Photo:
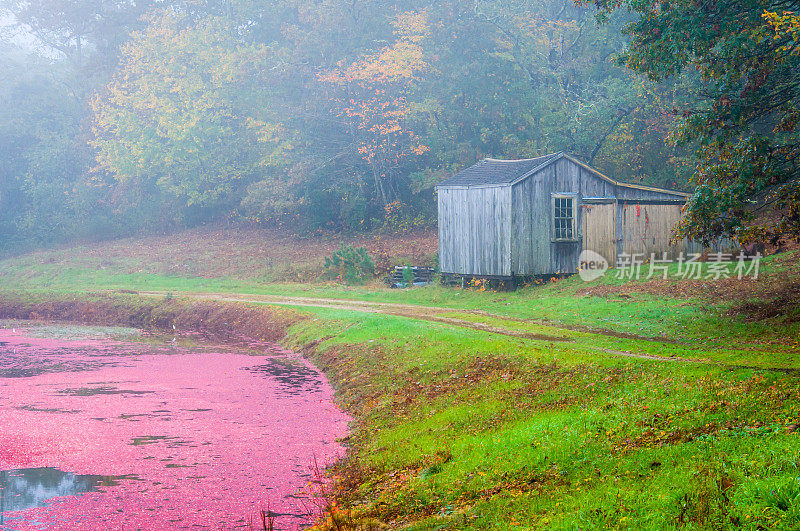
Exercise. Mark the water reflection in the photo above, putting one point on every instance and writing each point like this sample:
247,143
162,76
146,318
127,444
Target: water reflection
28,488
293,375
25,361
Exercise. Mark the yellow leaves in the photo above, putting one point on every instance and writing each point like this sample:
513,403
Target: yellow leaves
401,62
271,133
787,27
173,115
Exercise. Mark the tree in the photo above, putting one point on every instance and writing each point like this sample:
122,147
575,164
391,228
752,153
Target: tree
375,106
88,33
315,114
180,124
521,78
744,121
43,154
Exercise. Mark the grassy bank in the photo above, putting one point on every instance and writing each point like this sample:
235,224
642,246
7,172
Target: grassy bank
462,429
639,405
458,428
763,314
215,252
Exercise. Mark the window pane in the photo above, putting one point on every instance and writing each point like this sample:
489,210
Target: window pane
563,220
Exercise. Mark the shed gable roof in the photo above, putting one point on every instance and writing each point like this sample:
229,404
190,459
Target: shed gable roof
496,172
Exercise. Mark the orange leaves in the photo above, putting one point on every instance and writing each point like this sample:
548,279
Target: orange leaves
420,149
376,105
786,27
412,26
403,61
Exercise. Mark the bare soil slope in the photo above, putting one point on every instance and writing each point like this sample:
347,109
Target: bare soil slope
269,255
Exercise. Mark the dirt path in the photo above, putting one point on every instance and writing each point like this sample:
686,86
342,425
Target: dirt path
437,315
426,313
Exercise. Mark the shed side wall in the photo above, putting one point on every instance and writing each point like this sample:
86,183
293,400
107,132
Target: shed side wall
475,231
567,179
532,225
647,229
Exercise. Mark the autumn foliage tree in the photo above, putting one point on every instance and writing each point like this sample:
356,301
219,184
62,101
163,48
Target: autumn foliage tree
373,102
179,124
745,119
343,115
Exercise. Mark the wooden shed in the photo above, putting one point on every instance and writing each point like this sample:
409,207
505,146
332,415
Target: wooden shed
505,218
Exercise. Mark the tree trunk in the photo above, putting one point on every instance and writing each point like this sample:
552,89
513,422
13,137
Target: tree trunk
376,175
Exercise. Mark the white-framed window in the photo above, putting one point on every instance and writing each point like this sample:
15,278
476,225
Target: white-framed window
565,217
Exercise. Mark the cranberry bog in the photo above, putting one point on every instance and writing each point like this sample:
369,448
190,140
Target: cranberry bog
151,432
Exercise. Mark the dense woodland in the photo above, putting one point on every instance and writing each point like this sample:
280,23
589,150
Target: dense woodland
120,117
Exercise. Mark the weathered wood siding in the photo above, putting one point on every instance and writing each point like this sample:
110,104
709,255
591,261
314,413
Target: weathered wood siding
475,230
533,251
647,228
530,244
600,230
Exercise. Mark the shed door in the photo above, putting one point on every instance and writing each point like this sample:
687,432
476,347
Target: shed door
600,230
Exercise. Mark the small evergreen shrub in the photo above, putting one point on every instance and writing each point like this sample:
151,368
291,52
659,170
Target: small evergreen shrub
352,265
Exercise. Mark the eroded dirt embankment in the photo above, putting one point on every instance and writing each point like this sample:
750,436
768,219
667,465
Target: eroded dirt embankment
230,316
223,320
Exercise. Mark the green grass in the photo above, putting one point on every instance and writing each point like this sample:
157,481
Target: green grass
547,436
465,429
563,303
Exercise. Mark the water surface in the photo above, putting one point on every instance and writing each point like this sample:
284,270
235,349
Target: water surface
103,433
